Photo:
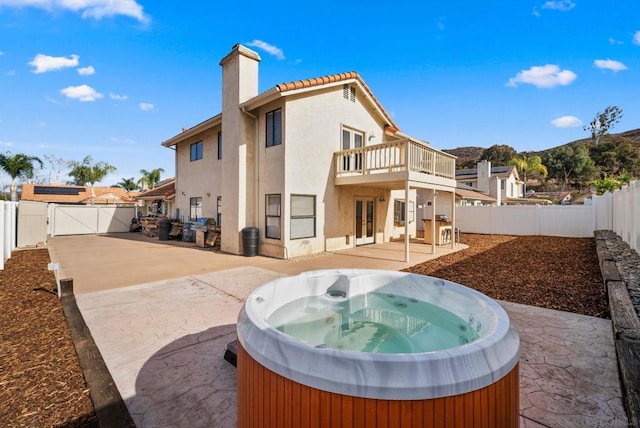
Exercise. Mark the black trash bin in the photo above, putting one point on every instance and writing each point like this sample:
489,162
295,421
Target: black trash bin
164,227
250,239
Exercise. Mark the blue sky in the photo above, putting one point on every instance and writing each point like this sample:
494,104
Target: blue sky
114,78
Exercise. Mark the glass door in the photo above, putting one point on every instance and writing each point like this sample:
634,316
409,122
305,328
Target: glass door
364,221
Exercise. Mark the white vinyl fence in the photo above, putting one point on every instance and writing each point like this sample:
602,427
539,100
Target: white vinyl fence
618,211
7,230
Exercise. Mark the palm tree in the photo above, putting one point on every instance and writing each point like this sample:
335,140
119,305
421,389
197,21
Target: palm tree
150,178
128,184
18,166
527,165
87,172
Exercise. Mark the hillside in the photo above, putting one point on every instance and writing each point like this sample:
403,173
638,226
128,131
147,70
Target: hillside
469,156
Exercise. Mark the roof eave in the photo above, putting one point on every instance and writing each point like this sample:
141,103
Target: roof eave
201,127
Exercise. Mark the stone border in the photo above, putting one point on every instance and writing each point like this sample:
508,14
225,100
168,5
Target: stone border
625,325
107,401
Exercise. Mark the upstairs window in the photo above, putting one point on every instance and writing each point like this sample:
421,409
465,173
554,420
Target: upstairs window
219,144
274,128
196,151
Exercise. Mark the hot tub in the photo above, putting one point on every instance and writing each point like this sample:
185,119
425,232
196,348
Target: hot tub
358,346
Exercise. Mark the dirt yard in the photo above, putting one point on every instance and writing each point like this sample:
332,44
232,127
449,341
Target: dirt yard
41,382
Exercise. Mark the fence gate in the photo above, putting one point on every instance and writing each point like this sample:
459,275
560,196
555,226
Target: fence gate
89,219
32,223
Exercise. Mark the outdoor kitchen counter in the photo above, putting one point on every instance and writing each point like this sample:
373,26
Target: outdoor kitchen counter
442,236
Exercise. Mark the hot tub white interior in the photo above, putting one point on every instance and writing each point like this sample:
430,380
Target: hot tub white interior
408,374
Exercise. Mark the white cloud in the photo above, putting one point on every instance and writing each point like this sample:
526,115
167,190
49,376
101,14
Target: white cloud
566,122
44,63
81,93
270,49
146,106
11,73
544,76
96,9
118,97
6,144
1,53
561,5
613,41
609,64
636,38
86,71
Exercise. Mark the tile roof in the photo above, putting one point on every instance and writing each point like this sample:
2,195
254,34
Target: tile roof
65,194
333,78
167,188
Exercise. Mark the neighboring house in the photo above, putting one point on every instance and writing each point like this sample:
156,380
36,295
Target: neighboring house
500,182
159,201
316,165
467,195
78,195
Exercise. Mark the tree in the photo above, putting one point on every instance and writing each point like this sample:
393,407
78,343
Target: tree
128,184
18,166
87,172
150,178
57,165
570,163
499,154
616,154
528,165
603,123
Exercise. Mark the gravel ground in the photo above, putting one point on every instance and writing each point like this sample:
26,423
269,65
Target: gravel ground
42,385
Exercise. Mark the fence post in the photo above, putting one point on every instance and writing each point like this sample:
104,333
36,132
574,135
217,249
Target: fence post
2,236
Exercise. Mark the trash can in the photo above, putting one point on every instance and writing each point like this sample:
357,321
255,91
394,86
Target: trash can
164,227
250,239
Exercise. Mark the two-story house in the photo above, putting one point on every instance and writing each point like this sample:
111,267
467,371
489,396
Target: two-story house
316,165
500,182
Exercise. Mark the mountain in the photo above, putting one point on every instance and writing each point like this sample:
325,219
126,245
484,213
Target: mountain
469,156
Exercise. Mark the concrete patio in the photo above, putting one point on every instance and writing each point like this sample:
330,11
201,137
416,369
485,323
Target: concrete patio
162,316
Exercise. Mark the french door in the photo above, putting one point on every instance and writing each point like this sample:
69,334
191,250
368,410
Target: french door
364,221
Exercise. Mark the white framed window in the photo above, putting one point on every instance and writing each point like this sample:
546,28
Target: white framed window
303,216
399,211
273,216
352,139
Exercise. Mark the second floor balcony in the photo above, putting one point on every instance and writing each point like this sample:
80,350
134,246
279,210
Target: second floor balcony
390,164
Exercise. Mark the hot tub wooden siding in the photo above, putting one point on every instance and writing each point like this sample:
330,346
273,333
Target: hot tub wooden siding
266,399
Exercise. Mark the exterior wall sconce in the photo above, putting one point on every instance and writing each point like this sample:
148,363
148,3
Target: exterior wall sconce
184,194
382,199
208,194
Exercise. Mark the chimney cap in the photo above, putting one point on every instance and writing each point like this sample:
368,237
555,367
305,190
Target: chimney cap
239,49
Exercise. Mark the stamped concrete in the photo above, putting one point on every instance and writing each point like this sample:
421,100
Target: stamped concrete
163,342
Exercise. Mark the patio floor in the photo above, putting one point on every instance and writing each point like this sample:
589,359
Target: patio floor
162,329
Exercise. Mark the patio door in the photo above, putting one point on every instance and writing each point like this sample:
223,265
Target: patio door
364,221
352,139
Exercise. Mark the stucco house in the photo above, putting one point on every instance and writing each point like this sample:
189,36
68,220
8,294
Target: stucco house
158,201
316,165
500,182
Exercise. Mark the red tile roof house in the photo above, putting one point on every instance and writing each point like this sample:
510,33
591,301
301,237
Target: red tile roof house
78,195
316,165
158,201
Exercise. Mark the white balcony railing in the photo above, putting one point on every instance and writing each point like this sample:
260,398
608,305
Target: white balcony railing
398,156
